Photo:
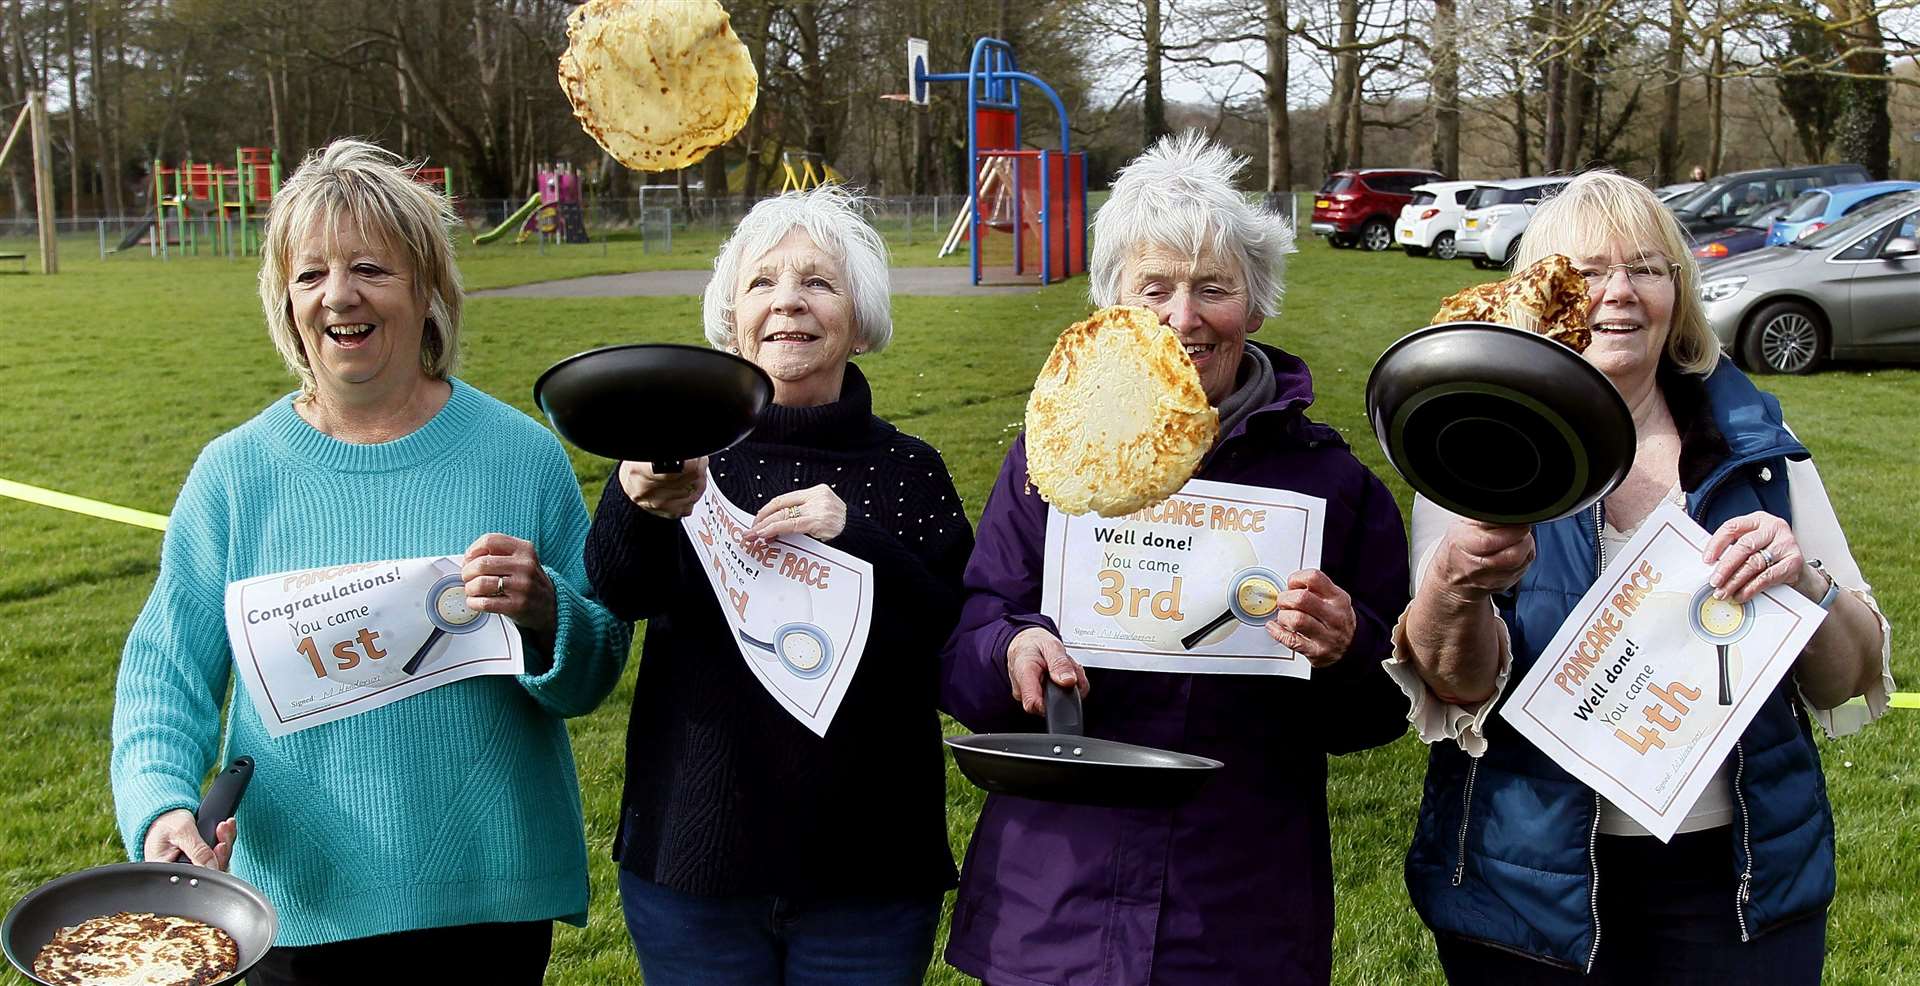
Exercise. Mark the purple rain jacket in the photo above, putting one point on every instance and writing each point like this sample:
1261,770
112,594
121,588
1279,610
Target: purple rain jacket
1236,885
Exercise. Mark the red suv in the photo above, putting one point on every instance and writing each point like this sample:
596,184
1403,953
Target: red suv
1358,206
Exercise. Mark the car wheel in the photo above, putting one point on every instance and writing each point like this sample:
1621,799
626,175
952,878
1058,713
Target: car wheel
1376,236
1414,251
1785,337
1443,248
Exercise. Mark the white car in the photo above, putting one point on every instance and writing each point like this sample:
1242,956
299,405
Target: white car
1497,213
1431,222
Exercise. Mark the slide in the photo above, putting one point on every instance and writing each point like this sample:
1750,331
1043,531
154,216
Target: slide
134,235
519,216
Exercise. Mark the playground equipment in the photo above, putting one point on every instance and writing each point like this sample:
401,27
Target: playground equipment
1026,210
35,112
226,206
807,177
553,211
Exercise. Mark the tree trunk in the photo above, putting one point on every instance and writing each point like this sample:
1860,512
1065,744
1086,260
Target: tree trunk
1522,138
73,114
1445,155
1666,168
1576,95
1153,108
1864,128
1279,128
1554,137
1716,104
1346,90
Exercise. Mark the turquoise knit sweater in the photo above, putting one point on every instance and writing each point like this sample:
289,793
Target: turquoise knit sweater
455,806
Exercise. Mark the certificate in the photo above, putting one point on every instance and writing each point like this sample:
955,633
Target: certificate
798,610
1652,679
1186,585
319,645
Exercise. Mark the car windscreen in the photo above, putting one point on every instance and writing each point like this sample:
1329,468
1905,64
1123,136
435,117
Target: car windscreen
1880,211
1337,184
1810,205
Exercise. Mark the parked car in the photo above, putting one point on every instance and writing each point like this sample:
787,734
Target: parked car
1496,215
1819,208
1431,222
1357,207
1746,234
1719,202
1667,193
1843,292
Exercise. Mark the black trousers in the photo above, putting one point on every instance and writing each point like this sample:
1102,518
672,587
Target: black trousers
504,954
1666,917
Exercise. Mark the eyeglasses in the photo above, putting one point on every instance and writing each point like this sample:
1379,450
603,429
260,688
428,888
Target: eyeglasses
1642,274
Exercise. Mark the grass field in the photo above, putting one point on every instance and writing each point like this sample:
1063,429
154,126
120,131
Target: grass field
113,375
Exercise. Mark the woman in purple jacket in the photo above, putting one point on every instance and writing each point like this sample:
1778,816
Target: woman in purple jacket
1235,885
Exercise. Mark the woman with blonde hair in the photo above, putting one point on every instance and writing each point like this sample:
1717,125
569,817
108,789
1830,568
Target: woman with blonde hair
1517,867
437,837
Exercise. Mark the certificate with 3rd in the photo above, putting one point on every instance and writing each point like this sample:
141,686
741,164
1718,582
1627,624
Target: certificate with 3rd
1184,585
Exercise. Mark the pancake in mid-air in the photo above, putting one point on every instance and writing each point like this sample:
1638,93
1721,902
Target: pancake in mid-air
1549,297
657,83
1117,420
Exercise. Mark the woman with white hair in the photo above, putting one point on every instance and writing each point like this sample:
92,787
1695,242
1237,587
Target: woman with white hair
436,838
1236,885
1516,866
751,850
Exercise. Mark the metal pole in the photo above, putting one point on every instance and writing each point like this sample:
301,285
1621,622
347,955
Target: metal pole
102,223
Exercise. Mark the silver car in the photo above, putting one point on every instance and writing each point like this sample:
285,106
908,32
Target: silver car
1849,291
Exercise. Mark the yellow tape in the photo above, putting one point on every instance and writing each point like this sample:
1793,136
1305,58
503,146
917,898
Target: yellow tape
82,505
1905,700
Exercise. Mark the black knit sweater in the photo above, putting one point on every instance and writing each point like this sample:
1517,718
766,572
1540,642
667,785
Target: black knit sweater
726,793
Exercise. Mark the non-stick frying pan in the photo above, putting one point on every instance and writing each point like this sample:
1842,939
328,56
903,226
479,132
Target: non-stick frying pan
1499,424
653,402
1063,765
181,889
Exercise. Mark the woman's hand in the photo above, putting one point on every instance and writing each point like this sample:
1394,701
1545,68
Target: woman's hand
1033,655
173,836
1751,554
817,511
504,576
664,494
1315,618
1478,560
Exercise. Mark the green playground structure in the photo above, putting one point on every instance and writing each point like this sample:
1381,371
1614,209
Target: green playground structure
519,216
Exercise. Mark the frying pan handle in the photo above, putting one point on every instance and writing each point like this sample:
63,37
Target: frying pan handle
1063,710
674,465
223,796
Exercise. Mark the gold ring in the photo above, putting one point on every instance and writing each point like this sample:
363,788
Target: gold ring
500,585
792,512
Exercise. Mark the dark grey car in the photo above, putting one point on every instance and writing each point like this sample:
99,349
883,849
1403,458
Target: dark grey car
1849,291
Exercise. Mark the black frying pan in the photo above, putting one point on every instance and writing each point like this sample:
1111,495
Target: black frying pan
180,889
1499,424
653,402
1063,765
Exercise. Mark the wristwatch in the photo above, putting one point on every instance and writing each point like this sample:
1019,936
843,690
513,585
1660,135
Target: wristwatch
1833,588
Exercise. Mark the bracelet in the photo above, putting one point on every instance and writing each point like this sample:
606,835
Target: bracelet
1833,588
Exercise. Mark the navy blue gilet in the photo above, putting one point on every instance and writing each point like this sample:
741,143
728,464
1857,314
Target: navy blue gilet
1503,853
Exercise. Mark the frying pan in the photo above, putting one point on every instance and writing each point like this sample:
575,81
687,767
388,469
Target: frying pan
1065,766
653,402
181,889
1499,424
1720,622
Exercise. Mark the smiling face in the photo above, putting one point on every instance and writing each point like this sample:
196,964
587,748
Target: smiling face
1204,299
793,318
1630,319
359,314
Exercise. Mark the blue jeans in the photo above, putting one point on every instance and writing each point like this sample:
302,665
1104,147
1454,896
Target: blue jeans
690,940
1666,919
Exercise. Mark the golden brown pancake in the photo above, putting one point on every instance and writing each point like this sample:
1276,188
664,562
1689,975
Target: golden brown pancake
138,949
1117,420
658,83
1549,297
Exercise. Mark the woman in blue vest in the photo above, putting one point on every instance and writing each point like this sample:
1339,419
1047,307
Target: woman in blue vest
1525,874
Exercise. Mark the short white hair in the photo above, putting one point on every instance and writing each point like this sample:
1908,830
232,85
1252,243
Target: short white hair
832,216
1180,195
